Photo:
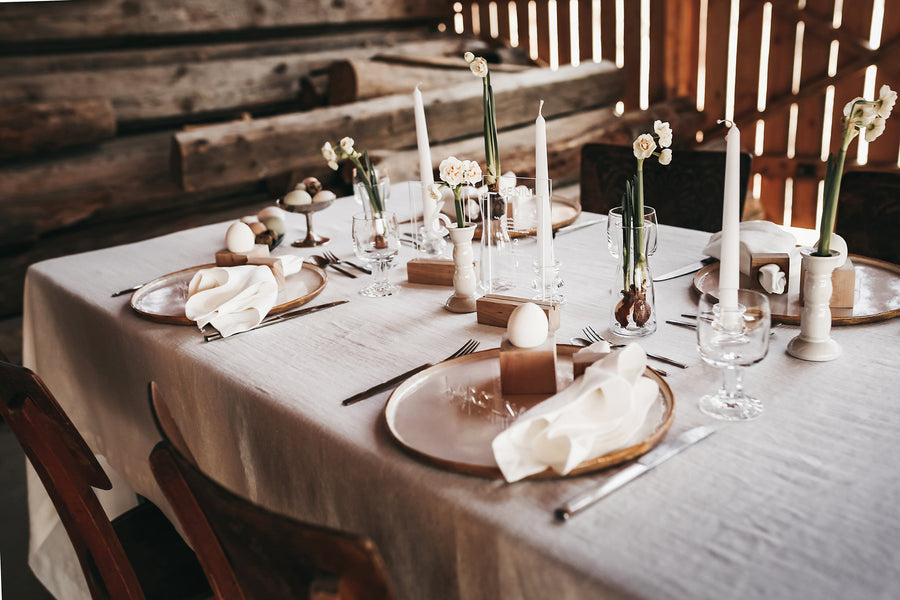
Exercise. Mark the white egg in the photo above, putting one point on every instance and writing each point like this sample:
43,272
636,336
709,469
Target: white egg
249,219
527,326
324,196
239,238
270,211
297,197
275,224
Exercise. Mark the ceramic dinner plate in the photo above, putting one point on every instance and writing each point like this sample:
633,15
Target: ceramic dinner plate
163,299
876,298
422,417
562,213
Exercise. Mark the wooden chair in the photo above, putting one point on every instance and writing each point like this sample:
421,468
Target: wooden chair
138,555
687,193
868,214
249,552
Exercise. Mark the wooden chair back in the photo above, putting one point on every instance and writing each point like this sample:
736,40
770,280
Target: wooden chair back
686,193
249,552
69,472
868,215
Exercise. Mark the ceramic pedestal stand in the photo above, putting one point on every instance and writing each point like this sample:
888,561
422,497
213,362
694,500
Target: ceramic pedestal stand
814,342
464,279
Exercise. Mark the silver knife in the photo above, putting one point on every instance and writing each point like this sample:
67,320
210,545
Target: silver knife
685,270
576,227
660,454
272,319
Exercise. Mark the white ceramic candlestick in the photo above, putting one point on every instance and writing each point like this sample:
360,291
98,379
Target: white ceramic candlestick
814,342
464,280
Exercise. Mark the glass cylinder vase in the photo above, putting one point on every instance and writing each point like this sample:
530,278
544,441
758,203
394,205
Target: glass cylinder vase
497,261
376,195
632,300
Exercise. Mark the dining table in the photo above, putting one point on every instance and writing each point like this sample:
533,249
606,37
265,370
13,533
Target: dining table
801,502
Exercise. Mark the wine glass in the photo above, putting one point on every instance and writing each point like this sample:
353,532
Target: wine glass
614,229
376,240
731,338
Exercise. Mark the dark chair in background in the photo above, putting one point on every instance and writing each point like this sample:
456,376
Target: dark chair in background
139,554
868,214
249,552
687,193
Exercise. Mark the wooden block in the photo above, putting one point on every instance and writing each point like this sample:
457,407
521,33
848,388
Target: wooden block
782,259
843,285
254,257
584,358
274,264
494,309
430,271
528,370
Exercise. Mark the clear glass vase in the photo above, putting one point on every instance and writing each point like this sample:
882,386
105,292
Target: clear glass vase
497,262
632,301
363,194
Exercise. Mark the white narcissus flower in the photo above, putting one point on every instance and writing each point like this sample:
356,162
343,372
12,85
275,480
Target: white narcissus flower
644,146
886,98
874,129
471,172
664,131
451,170
329,153
863,111
469,57
347,145
434,191
479,67
665,157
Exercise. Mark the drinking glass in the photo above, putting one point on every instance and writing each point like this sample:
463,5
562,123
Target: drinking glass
732,338
376,240
614,229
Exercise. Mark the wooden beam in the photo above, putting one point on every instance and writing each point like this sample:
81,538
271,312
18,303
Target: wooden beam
24,22
35,127
241,152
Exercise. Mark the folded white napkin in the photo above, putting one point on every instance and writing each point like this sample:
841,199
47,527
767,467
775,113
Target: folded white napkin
231,299
759,237
602,411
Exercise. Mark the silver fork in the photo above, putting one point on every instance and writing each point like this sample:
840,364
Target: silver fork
592,335
334,258
467,348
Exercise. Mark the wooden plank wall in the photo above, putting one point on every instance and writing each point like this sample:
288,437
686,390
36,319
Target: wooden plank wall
786,127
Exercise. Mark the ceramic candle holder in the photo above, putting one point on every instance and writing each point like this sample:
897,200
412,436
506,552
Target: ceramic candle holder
814,342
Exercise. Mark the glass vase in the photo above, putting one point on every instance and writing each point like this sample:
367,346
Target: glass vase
363,194
632,300
497,262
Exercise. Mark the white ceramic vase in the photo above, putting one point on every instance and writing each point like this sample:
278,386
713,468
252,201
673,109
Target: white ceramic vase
814,342
464,280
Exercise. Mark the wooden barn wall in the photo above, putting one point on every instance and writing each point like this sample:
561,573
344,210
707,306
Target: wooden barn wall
816,54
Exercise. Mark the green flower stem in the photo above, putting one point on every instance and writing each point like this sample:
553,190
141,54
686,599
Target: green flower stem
638,216
460,221
370,181
491,149
832,190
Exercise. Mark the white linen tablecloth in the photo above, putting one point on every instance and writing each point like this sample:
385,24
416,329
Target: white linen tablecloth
801,503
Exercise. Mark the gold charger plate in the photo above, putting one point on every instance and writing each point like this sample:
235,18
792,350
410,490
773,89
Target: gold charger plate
162,300
422,419
876,298
562,213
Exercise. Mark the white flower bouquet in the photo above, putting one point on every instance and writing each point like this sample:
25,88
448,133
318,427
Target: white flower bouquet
364,169
454,174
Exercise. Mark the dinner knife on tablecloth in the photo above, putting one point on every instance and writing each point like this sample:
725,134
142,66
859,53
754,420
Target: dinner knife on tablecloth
658,455
685,270
272,319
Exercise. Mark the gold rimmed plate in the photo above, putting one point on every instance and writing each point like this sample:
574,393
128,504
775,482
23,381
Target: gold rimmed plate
876,297
562,213
162,300
423,419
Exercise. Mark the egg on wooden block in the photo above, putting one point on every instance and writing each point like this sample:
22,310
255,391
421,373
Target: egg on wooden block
528,353
588,355
240,238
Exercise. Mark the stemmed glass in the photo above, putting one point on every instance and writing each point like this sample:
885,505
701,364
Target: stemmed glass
732,338
376,240
614,229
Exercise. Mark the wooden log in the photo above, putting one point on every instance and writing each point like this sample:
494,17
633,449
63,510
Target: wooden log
34,127
359,79
180,84
240,152
24,22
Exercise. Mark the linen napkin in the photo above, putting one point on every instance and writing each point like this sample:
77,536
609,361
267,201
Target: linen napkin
758,237
602,411
231,299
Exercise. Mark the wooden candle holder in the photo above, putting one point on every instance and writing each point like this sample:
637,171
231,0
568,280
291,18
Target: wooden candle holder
430,271
495,310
